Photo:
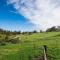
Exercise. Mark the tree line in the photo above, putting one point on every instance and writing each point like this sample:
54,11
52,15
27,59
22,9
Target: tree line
7,32
53,29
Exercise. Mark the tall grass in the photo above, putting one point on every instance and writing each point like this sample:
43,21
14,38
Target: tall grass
31,47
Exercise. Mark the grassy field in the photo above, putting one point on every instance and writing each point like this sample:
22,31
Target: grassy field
31,47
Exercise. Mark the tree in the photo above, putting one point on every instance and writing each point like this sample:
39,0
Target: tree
34,31
41,31
51,29
58,28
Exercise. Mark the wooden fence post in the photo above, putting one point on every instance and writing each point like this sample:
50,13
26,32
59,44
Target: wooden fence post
45,52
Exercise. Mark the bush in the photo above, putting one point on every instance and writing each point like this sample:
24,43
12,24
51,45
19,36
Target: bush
30,33
8,40
14,41
2,43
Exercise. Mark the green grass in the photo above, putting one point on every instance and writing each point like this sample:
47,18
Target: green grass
31,46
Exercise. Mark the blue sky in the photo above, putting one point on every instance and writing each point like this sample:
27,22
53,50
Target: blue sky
10,20
28,15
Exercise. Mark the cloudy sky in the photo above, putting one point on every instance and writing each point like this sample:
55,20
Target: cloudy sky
28,15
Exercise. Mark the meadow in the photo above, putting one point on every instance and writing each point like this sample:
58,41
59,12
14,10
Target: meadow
30,47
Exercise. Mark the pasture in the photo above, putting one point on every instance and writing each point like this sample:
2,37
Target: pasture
30,47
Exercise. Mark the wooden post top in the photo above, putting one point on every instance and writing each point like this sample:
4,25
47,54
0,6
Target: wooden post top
45,47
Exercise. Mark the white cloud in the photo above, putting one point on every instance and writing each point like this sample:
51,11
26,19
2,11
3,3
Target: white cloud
42,13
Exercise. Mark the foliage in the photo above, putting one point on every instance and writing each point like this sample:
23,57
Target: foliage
34,31
41,31
14,41
51,29
2,31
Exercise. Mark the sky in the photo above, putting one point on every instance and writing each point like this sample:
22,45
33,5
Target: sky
11,20
29,15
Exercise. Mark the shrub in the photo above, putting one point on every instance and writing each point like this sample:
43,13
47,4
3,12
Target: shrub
30,33
2,43
14,41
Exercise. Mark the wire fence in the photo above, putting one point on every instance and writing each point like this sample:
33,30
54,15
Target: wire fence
29,53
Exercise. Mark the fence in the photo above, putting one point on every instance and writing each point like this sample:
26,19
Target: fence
26,53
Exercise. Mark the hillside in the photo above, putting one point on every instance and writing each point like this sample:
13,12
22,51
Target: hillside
30,47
